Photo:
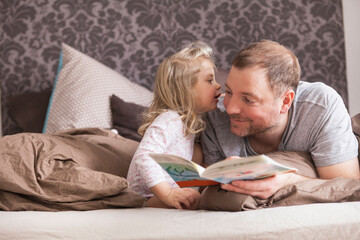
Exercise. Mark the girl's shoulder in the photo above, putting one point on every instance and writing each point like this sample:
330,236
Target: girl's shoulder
168,116
168,121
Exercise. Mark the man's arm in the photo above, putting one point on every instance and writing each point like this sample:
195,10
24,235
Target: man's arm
348,169
264,188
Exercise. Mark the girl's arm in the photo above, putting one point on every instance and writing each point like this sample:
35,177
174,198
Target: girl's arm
146,176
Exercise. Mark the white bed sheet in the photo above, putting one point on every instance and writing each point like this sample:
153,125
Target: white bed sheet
315,221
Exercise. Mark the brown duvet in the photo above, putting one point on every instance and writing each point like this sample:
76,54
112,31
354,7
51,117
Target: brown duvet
84,169
80,169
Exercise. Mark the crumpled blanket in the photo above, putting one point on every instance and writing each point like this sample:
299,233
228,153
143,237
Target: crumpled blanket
79,169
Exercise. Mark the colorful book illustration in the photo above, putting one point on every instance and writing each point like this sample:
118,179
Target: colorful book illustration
187,174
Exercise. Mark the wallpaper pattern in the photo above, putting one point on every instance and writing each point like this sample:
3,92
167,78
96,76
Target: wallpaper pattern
133,36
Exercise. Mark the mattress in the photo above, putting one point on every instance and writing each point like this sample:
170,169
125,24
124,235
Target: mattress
313,221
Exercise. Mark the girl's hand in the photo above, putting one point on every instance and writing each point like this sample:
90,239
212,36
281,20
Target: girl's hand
180,198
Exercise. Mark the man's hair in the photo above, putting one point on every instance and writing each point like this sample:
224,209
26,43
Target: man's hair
280,64
174,82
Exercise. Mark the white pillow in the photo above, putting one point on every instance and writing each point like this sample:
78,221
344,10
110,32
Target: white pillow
82,90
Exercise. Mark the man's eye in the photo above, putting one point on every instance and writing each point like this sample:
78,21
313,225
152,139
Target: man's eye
227,92
247,100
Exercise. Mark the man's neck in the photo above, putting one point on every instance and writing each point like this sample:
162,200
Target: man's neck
269,141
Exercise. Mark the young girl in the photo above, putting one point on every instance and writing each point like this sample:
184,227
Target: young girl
185,87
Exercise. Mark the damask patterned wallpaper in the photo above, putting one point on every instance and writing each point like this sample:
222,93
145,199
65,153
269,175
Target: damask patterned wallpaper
133,36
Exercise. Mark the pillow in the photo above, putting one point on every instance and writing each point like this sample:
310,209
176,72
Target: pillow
126,117
81,92
28,110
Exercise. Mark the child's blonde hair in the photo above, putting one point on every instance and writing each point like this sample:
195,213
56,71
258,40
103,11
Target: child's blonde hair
174,82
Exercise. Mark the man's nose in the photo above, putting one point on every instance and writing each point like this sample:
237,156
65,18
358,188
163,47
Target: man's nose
232,106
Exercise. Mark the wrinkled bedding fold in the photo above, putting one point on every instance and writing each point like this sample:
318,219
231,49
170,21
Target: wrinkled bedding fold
81,169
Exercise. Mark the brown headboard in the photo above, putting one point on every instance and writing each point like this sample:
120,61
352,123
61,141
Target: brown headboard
133,37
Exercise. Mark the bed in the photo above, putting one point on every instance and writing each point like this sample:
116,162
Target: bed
320,221
83,71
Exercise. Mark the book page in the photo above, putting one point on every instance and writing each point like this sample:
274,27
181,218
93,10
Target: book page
178,168
244,168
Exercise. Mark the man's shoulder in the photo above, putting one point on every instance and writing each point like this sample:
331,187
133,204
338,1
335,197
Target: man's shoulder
316,93
315,87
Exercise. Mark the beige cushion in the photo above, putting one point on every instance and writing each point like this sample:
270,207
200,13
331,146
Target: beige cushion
81,95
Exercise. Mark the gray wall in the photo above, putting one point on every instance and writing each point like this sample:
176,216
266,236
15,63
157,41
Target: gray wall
352,36
134,36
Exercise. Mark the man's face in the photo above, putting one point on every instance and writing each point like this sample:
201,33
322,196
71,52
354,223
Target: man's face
250,102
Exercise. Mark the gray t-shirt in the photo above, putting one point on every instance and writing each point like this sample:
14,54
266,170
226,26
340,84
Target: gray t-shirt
319,123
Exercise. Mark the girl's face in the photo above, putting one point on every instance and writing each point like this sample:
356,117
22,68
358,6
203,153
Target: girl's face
206,89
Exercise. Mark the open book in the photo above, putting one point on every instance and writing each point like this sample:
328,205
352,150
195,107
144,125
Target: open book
187,174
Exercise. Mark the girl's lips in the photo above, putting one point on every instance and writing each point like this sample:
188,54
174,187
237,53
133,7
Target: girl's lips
217,97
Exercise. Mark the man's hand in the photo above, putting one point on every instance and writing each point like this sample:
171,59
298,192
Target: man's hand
263,188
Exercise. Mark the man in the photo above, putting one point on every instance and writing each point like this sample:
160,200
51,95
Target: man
266,109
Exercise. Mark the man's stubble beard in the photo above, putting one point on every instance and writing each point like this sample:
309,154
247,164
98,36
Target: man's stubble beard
252,129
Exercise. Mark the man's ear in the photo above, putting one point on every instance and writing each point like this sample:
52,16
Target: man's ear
287,100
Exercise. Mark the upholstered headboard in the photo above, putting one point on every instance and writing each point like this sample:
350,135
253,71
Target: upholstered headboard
133,37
